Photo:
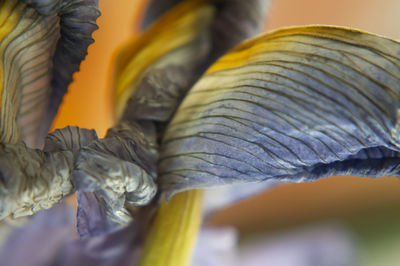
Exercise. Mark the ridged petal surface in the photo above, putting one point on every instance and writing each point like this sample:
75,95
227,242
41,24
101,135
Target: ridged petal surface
295,104
42,43
27,45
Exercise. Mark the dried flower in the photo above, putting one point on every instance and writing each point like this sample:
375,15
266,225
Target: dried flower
296,104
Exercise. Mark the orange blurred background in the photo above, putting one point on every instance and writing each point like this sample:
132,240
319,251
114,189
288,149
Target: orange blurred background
89,104
89,101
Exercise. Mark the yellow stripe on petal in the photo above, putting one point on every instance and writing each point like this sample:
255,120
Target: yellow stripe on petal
27,45
282,38
177,28
10,13
293,104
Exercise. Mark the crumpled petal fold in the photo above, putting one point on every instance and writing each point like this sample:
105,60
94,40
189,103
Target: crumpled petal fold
31,179
119,169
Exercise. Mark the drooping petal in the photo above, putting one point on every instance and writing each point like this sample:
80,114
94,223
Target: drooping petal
77,22
27,45
156,70
295,104
41,45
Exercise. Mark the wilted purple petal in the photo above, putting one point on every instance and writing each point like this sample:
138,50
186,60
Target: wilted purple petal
119,248
91,217
77,23
295,105
49,238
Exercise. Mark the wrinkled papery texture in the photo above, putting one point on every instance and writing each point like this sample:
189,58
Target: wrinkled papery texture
69,139
31,179
120,169
77,21
295,104
117,170
153,73
27,46
42,44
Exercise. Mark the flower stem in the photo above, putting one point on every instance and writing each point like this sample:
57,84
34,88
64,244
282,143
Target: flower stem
172,236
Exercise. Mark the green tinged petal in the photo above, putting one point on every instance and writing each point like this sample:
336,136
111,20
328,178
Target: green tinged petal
27,45
295,104
77,22
32,180
41,45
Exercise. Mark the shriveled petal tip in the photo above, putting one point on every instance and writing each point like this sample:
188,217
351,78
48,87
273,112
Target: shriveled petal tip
92,219
119,170
69,138
32,180
295,104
